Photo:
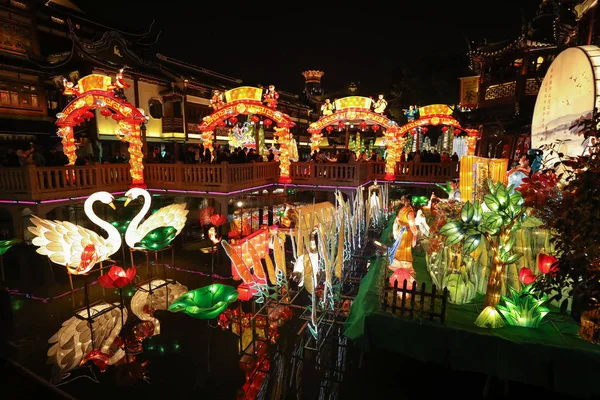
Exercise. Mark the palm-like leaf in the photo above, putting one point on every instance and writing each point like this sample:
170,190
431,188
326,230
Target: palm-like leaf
524,308
5,245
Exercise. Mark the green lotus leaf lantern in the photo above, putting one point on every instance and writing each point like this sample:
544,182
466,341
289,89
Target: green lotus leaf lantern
157,239
121,226
5,245
206,302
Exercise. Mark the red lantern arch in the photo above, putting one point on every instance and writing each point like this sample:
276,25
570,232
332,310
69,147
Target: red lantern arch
246,100
97,91
357,108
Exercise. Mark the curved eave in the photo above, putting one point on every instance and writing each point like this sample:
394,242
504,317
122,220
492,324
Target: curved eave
514,46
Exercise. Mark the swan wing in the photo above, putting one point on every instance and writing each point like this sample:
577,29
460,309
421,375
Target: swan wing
174,215
63,242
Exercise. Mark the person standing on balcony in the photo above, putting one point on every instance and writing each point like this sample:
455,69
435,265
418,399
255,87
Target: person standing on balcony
454,157
270,155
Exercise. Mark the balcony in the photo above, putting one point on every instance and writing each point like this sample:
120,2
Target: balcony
170,124
31,185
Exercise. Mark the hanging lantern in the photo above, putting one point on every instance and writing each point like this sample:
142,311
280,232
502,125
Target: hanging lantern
254,119
267,122
456,131
445,129
88,115
117,117
233,120
78,120
341,126
106,112
424,130
329,129
221,124
413,132
375,128
363,125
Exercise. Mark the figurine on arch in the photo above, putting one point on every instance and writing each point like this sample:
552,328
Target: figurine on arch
270,97
380,105
216,101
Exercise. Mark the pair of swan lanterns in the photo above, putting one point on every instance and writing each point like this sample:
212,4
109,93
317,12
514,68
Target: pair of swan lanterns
79,249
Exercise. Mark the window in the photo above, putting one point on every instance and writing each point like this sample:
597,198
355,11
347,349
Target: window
177,109
155,108
18,95
15,38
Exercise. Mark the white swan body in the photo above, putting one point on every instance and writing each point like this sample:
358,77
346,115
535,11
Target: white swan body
64,242
174,215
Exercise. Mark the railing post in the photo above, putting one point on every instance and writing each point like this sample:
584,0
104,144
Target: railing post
31,180
224,174
179,172
97,176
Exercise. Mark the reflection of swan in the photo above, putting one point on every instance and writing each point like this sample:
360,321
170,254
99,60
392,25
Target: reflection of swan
143,304
173,215
74,339
74,246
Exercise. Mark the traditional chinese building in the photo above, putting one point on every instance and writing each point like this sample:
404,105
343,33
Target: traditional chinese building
508,75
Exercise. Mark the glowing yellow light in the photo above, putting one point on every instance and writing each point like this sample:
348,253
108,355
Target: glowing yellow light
243,93
94,82
283,137
353,102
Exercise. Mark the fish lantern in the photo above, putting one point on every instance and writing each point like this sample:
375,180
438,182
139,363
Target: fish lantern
547,264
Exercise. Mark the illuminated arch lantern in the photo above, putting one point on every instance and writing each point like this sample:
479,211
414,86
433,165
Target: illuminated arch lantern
98,91
246,100
354,109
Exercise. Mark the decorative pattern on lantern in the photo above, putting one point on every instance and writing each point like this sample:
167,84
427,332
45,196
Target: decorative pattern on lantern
244,93
353,102
315,139
283,137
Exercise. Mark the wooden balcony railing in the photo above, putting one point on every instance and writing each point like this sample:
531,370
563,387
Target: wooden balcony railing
36,184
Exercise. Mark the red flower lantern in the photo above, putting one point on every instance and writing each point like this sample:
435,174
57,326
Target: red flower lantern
329,129
547,264
401,275
218,219
375,128
106,112
233,120
526,276
267,122
117,277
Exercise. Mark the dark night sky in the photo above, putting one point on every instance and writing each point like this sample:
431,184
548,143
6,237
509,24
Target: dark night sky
363,44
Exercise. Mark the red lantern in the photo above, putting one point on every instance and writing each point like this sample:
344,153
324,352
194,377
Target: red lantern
445,129
254,119
106,112
221,124
218,219
329,128
363,125
375,128
413,132
547,264
78,120
267,122
117,277
424,130
341,125
117,117
88,115
456,131
233,120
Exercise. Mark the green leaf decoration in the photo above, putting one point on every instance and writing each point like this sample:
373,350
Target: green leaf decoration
420,200
531,222
157,239
509,244
471,243
513,258
494,221
446,188
451,227
454,238
516,198
491,187
502,196
477,213
121,225
5,245
206,302
525,308
467,212
491,202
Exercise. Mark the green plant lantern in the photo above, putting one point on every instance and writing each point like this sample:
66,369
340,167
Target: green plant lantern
524,308
5,245
420,201
496,225
446,188
157,239
206,302
121,226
